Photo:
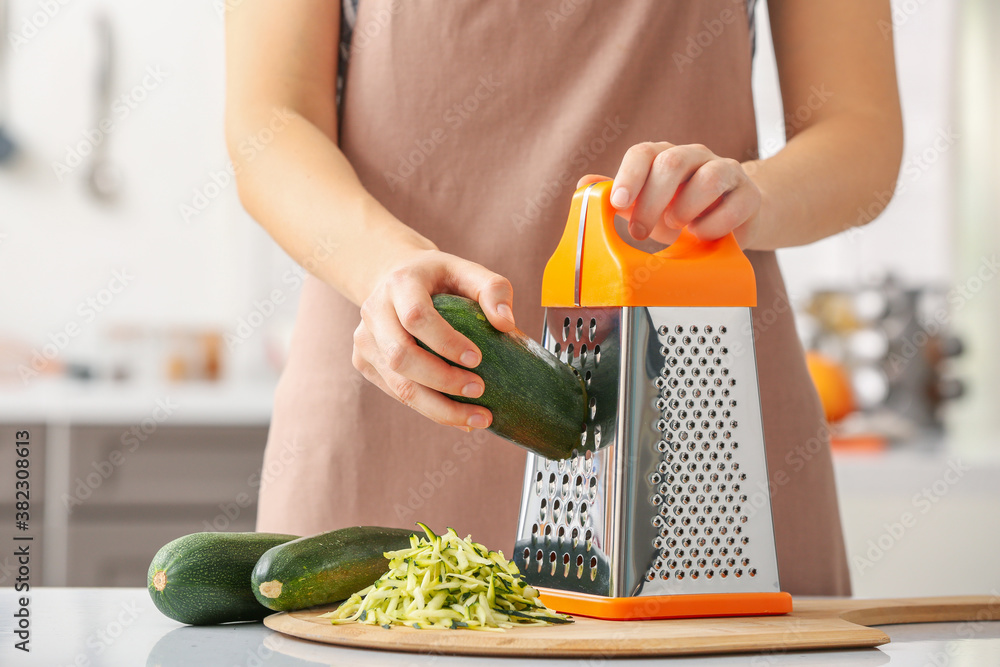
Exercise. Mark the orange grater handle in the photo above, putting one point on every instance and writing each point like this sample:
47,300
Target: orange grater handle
592,266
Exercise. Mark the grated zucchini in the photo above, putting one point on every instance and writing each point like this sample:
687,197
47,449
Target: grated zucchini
443,581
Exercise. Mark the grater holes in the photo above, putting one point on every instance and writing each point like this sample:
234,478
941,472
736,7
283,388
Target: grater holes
583,354
592,330
558,350
570,355
579,328
586,378
597,355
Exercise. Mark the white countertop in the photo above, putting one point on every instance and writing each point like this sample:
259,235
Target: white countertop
95,402
120,627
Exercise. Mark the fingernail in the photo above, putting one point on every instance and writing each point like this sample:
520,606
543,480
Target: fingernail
619,197
504,311
478,421
472,390
469,359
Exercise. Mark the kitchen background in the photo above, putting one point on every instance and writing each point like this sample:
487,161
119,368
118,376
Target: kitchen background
145,315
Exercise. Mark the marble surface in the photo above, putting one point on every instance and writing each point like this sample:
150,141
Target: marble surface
117,627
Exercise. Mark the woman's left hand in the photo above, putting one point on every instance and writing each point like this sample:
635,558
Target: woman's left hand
661,188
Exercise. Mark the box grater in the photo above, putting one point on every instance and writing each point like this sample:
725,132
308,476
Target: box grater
663,511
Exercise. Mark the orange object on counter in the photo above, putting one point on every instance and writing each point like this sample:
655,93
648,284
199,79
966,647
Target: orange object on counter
832,384
690,272
858,444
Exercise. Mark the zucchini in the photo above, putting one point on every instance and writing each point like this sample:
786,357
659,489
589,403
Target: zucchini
324,568
204,578
537,401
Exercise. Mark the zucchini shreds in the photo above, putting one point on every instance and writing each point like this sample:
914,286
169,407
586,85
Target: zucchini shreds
446,582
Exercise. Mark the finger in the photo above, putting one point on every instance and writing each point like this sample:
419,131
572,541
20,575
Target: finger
711,181
633,172
735,209
396,350
414,310
364,348
493,292
434,405
670,170
663,234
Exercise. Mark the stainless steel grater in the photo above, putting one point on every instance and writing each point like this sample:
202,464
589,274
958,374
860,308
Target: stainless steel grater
663,510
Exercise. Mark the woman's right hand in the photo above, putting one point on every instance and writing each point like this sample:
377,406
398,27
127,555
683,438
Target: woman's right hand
399,310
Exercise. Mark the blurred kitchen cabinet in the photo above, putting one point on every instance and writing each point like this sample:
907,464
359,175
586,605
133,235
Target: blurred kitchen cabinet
113,470
106,496
124,497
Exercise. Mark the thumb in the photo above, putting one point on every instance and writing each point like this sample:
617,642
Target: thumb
597,178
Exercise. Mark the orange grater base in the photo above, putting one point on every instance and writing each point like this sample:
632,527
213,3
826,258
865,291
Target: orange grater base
655,607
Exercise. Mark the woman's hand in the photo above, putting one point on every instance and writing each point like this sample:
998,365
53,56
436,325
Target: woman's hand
399,310
661,188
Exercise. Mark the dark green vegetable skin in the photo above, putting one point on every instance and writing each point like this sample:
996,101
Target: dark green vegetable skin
537,401
204,578
324,568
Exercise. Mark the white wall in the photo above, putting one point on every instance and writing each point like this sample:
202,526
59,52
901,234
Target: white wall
913,237
61,246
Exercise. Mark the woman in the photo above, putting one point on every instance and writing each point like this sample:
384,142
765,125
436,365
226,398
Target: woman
449,166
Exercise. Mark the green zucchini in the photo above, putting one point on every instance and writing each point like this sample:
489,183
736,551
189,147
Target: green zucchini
204,578
324,568
537,401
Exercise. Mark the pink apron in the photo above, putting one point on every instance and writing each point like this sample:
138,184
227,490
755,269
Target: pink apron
471,122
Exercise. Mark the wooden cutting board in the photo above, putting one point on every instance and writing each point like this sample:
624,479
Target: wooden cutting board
813,624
